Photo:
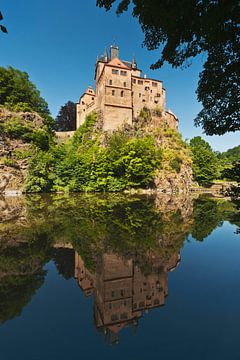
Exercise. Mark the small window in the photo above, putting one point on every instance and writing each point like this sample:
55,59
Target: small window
113,92
140,82
158,95
92,98
124,84
110,82
122,93
134,81
140,94
115,71
122,293
123,72
154,84
113,294
114,317
146,88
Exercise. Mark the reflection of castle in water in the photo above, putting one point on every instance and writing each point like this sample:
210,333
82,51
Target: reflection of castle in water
121,291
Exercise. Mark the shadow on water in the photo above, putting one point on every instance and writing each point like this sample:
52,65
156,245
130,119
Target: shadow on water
119,248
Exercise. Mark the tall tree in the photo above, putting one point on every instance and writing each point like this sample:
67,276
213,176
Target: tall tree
17,89
205,162
66,119
183,29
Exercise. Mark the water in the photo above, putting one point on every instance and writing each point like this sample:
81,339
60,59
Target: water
89,276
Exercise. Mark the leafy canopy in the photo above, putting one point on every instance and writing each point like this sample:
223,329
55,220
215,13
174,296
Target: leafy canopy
66,119
205,161
184,29
16,89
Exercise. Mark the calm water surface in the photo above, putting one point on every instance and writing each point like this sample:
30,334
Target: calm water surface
119,277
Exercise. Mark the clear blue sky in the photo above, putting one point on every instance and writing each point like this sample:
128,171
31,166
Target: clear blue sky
57,42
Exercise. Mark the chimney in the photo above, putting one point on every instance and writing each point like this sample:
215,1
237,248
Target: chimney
114,52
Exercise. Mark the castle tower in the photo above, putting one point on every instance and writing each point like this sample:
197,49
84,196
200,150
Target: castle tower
121,93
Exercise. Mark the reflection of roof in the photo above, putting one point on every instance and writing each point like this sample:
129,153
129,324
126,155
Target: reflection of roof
117,327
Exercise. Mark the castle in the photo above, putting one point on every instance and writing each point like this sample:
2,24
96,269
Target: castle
121,93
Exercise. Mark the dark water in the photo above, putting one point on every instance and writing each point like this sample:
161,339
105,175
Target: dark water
119,277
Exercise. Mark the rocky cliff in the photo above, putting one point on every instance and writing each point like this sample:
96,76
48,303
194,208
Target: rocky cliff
18,131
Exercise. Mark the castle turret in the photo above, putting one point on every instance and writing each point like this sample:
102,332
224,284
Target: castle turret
134,62
114,52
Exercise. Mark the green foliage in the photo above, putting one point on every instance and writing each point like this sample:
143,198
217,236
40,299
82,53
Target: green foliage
16,88
205,162
85,164
176,163
17,128
231,155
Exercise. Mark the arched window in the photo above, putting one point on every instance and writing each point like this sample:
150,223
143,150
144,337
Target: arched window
122,93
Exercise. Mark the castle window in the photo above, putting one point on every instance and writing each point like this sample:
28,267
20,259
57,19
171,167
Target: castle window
123,72
113,92
154,84
110,82
122,93
140,82
124,84
114,317
115,71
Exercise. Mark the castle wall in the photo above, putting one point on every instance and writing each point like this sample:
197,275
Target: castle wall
147,93
86,105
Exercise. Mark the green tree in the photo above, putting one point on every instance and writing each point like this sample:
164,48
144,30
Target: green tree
185,29
66,119
17,89
205,162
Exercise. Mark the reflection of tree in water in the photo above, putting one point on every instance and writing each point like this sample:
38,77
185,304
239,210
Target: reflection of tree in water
146,233
21,270
209,213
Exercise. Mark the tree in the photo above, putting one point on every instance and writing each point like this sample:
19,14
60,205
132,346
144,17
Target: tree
16,90
205,162
66,119
184,29
2,28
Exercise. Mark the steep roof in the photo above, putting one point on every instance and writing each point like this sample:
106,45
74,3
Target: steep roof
118,63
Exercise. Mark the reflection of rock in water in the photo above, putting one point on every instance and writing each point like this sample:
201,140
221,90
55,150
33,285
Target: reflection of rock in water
172,202
122,292
11,208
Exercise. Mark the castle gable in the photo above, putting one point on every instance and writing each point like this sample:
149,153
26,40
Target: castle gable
118,63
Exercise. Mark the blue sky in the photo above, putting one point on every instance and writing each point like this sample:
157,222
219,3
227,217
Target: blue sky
57,42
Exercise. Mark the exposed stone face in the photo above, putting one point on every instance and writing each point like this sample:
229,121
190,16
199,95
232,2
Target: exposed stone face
121,94
13,170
